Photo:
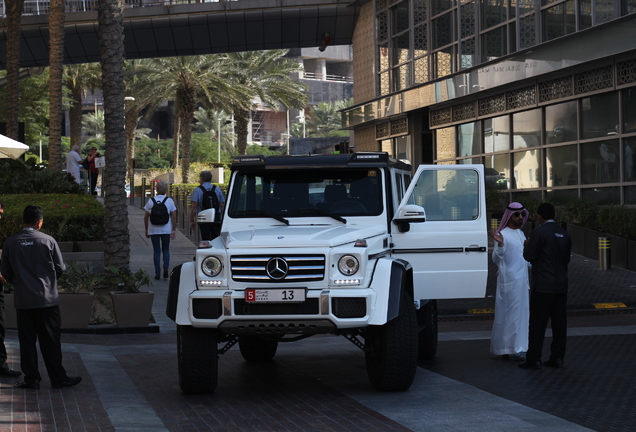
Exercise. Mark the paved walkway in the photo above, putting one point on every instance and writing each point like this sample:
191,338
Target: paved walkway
319,384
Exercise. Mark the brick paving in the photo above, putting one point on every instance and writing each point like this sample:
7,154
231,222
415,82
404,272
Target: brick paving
130,381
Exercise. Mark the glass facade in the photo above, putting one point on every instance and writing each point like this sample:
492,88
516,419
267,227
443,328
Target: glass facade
583,147
423,40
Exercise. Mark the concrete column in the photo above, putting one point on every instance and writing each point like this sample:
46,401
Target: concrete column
321,69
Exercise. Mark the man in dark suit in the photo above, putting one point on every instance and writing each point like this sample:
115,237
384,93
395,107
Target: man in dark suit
548,249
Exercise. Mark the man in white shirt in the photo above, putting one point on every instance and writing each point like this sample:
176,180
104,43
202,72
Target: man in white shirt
73,163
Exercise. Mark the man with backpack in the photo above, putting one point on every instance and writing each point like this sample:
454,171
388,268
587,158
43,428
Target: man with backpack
161,212
204,197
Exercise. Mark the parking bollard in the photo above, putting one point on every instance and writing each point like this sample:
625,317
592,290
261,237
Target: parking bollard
604,253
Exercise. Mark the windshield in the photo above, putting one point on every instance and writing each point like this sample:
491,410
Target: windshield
303,193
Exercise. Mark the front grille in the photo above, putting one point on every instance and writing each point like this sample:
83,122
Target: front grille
308,307
206,308
349,307
301,268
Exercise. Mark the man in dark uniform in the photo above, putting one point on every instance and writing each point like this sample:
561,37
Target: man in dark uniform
33,263
5,370
548,249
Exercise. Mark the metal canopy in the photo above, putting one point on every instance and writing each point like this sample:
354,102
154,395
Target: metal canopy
158,32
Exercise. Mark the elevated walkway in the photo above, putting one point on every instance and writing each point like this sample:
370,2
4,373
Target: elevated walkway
168,28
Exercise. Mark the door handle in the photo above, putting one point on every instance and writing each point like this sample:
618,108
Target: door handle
475,249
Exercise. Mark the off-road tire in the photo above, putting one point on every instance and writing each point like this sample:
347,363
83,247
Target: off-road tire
257,349
391,349
198,359
427,337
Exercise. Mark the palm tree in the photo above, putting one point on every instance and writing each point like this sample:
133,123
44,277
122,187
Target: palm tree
93,124
137,73
264,75
14,16
189,80
56,71
110,18
324,119
78,79
208,121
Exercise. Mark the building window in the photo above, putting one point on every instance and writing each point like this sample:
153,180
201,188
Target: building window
599,116
562,165
559,20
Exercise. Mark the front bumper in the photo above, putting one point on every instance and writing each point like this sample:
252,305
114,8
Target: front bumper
324,311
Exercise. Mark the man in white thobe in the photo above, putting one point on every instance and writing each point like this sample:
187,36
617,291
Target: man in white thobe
512,304
73,163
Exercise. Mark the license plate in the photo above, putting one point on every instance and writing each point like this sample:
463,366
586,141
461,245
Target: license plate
293,295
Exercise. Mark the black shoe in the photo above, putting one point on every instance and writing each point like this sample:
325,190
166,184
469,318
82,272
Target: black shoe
9,373
530,364
27,385
157,277
68,382
554,362
165,274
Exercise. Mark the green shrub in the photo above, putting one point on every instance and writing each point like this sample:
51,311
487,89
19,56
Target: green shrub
18,177
67,217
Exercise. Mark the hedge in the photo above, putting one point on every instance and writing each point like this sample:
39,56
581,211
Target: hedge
67,217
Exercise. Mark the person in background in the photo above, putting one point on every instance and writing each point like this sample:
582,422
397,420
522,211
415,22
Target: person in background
548,249
208,232
32,262
92,170
512,303
73,163
5,370
160,235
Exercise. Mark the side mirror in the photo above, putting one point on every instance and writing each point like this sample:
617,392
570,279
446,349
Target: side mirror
408,214
206,216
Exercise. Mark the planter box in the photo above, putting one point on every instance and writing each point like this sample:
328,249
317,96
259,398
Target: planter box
132,309
76,310
90,246
65,246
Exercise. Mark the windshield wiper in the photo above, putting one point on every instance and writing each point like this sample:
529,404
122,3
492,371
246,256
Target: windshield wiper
322,212
262,213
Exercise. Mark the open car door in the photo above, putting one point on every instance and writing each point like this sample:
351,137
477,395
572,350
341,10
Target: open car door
441,229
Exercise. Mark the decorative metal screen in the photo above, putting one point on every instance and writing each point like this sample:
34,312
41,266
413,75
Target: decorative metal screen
555,89
593,80
465,111
521,98
400,126
442,116
382,130
492,105
626,72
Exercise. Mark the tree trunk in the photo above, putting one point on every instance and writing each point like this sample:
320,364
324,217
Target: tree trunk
56,71
177,132
242,124
14,16
189,102
110,18
75,116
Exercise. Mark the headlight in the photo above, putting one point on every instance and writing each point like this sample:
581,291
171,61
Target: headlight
211,266
348,265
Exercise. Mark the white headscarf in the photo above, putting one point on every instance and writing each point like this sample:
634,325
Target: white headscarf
512,207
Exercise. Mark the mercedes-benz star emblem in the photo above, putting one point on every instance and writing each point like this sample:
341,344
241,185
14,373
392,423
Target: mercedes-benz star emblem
277,268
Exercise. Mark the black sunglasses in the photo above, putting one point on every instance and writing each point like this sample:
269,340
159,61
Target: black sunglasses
521,213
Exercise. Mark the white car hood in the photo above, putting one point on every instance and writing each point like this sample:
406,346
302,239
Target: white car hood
299,236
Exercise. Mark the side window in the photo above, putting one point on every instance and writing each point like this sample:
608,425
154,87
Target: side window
447,194
400,187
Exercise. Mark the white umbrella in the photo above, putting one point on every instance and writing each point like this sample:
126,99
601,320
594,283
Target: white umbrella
10,148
